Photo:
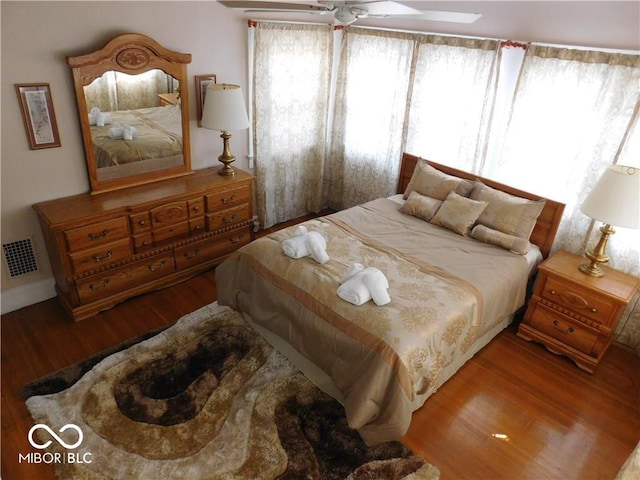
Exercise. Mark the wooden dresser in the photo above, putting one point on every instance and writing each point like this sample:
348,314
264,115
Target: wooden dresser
574,314
108,247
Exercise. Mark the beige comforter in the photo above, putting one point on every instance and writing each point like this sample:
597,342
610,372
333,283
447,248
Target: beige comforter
445,291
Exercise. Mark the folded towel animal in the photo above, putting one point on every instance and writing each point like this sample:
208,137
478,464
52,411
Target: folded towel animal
361,284
304,243
98,118
120,130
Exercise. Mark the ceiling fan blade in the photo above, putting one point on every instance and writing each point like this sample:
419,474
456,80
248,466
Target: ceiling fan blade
445,16
385,8
257,6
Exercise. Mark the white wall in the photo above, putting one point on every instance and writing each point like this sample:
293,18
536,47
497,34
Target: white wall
36,37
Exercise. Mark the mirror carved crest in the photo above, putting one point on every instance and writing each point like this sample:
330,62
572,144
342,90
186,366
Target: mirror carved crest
133,58
133,107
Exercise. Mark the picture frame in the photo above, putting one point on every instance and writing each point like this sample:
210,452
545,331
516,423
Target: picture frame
202,82
38,115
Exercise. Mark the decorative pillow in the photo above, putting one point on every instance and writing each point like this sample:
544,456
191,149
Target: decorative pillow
431,182
421,206
507,213
458,213
495,237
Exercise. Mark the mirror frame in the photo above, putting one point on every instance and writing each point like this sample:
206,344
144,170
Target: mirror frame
130,53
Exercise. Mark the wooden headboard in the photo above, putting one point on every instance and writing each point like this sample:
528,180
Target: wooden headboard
544,232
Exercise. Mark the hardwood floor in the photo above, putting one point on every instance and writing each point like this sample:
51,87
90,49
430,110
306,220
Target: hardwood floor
559,422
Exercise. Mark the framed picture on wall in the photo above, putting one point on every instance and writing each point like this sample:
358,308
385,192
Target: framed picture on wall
202,82
38,115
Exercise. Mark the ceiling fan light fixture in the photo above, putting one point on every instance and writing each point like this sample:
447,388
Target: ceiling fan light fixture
345,15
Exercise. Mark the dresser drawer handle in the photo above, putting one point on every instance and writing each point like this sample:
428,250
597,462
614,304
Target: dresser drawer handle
93,236
228,200
195,253
196,208
153,267
95,287
556,325
593,309
229,220
142,222
552,292
237,239
98,258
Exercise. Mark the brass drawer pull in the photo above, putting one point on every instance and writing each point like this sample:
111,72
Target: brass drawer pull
98,258
232,219
238,239
153,267
104,233
94,287
196,252
228,200
142,222
552,292
593,309
196,208
556,325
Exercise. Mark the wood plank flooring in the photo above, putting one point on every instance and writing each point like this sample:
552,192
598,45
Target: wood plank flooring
559,422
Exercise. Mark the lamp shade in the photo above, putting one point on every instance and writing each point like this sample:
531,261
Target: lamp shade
224,108
615,198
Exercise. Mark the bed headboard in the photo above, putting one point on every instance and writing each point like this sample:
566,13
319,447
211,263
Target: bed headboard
544,232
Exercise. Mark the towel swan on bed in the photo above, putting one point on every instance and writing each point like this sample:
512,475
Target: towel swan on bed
362,284
304,243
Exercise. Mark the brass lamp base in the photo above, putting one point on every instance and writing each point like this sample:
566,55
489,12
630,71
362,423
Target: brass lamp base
597,255
226,157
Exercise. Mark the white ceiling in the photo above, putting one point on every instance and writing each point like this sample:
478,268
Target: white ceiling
604,24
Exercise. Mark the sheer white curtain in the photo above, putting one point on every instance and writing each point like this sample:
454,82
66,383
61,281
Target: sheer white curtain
370,108
568,119
451,100
572,116
292,76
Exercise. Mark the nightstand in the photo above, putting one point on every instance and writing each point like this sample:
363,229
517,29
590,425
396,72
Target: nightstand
574,314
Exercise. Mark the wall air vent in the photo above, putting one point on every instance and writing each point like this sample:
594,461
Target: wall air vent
20,257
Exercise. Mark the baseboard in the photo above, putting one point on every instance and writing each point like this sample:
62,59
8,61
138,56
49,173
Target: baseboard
19,297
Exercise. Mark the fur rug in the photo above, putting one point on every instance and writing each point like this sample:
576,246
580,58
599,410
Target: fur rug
205,398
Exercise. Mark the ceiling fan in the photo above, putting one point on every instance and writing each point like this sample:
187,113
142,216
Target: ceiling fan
347,12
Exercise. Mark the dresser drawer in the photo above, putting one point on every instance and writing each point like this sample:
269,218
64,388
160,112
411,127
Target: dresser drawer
579,301
100,256
228,217
169,214
140,222
178,230
211,248
564,329
228,198
196,207
123,278
142,242
197,226
96,234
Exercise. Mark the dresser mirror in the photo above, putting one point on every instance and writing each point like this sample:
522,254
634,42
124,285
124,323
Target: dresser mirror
134,112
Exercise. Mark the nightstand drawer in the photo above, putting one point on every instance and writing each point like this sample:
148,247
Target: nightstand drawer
562,328
578,301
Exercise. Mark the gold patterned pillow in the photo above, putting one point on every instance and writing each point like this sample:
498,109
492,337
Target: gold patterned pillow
431,182
507,213
421,206
458,213
495,237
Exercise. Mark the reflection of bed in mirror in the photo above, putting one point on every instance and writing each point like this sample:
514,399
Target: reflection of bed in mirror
157,141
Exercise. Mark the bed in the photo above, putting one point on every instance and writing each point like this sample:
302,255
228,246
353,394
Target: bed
450,293
158,136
